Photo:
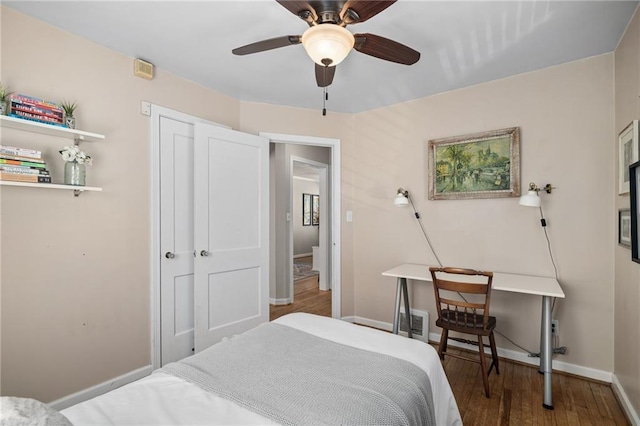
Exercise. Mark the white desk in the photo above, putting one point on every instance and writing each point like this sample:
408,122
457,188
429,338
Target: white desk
548,288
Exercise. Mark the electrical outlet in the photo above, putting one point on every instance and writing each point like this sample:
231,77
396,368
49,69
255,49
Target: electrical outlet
555,324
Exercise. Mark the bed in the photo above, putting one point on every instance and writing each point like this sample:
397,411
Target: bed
319,367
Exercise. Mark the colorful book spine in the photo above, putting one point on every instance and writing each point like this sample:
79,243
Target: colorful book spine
38,112
23,117
24,178
24,170
22,152
19,151
34,117
22,163
29,100
34,109
20,158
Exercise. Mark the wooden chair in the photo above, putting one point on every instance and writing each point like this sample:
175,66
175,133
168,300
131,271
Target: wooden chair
462,316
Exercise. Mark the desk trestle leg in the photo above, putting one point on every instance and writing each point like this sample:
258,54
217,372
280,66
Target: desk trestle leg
402,292
546,351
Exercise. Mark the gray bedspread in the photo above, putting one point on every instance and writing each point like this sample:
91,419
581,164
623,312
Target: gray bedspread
295,378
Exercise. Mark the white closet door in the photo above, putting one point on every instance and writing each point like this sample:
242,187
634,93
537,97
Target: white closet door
176,240
231,192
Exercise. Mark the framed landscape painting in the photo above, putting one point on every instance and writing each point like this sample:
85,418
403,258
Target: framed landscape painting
479,165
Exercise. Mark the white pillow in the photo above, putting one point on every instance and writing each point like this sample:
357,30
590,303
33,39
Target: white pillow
29,412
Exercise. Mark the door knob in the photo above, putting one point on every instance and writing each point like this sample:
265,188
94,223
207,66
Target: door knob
169,255
204,253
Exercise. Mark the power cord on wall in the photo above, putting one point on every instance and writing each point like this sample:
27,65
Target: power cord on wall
424,232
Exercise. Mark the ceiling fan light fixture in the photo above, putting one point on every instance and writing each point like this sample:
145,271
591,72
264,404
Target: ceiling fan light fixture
327,41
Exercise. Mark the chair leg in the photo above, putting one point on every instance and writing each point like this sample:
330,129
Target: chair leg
483,368
494,352
442,348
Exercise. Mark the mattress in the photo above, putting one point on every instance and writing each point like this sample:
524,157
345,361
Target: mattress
163,399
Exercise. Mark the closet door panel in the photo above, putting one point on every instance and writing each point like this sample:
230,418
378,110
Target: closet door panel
176,240
231,194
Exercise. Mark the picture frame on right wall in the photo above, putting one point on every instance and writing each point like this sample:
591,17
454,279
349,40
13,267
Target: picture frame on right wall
634,180
624,228
628,148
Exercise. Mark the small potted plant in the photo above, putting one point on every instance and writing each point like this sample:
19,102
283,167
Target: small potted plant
69,108
4,98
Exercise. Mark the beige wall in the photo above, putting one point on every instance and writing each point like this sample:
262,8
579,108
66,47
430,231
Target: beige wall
75,276
627,273
75,271
565,115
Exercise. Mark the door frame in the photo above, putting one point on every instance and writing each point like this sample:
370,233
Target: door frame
323,172
335,167
157,112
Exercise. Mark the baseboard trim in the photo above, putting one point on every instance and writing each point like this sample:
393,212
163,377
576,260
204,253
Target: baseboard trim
618,390
578,370
99,389
565,367
278,302
296,256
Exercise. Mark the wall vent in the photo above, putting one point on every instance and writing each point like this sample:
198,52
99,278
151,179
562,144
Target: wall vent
143,69
419,325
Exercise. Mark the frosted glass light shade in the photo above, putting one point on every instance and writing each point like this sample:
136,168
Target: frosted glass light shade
400,200
327,41
530,200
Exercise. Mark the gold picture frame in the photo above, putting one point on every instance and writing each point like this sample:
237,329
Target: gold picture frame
478,165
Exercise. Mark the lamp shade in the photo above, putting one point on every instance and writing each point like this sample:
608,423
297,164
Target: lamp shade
400,200
530,200
327,41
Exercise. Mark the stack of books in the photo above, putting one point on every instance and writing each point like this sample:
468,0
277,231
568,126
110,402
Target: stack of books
34,109
23,165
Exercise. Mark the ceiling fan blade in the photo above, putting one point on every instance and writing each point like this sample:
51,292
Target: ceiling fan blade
383,48
324,75
272,43
365,9
298,8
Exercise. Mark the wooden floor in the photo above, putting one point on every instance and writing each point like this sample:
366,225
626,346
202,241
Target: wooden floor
516,397
307,297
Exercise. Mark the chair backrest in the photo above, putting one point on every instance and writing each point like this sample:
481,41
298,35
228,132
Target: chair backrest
465,314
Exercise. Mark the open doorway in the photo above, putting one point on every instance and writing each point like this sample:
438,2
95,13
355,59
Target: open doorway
309,282
316,159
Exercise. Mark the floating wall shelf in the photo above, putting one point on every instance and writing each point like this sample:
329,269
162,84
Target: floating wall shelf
48,129
76,189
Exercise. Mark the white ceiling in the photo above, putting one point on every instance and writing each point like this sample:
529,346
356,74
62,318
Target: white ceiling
461,43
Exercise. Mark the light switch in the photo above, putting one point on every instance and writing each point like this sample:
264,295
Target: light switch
349,216
145,108
288,217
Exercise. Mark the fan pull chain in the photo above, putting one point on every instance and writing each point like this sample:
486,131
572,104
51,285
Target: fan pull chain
325,98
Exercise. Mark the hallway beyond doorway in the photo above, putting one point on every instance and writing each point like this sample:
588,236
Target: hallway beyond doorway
308,298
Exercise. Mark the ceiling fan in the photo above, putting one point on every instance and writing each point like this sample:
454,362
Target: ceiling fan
328,42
